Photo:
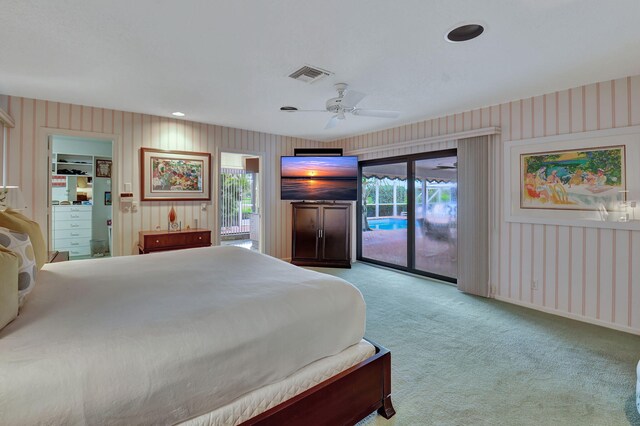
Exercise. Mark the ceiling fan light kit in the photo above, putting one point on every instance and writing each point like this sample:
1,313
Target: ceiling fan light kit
344,103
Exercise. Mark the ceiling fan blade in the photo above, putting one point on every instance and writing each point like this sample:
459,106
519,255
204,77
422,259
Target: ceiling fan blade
303,110
333,121
376,113
351,99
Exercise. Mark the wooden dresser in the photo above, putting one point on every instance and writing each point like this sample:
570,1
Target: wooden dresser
151,241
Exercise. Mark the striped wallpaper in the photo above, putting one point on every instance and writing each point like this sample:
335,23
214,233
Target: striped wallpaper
584,273
27,163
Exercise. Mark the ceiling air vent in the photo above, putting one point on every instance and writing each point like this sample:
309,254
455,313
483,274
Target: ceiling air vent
308,74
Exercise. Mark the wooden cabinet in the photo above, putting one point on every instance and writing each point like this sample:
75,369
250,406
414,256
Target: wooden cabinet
321,235
151,241
72,228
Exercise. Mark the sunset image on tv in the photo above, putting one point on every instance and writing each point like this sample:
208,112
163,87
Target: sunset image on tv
319,178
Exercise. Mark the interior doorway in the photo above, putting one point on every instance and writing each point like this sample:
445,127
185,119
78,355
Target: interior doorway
80,194
240,206
408,213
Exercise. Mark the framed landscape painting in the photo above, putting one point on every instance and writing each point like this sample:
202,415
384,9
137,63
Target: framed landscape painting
588,179
175,175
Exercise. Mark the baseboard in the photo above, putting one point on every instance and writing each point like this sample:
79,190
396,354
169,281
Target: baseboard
569,315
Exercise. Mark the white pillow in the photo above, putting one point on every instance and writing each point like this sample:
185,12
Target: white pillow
20,244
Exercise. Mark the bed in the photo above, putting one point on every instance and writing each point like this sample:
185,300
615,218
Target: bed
207,336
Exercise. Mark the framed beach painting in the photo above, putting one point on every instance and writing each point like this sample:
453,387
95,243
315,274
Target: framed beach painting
573,179
588,179
175,175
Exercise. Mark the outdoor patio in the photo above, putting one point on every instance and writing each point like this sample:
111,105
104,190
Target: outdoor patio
433,254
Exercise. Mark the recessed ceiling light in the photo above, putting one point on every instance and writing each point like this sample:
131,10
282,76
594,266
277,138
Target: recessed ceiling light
178,114
464,33
288,108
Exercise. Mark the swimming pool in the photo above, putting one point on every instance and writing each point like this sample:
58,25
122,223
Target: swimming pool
387,224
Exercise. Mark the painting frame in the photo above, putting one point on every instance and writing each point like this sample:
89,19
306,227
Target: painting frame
595,209
103,168
169,175
107,198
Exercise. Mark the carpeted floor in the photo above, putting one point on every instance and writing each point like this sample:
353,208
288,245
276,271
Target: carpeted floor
464,360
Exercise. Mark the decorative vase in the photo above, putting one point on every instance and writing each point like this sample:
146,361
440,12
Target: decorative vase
172,215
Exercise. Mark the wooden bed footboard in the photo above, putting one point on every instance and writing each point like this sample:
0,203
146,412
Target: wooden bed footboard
343,399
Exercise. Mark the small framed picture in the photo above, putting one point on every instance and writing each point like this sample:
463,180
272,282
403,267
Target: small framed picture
103,168
107,198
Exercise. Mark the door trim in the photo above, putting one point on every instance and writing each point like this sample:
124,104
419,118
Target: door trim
44,135
216,185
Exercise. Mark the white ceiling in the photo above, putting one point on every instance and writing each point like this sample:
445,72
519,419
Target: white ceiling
226,62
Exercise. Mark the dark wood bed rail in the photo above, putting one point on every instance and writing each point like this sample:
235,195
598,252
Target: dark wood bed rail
343,399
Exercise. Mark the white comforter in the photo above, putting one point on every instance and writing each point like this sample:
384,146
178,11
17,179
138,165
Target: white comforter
160,338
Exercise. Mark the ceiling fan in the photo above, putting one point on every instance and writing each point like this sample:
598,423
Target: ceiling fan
447,166
345,103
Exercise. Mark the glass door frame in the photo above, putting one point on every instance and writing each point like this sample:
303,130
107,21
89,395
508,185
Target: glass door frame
410,161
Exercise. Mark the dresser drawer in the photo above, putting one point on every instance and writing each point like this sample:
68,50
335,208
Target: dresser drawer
67,209
197,238
71,242
166,240
78,251
80,215
62,225
72,233
75,248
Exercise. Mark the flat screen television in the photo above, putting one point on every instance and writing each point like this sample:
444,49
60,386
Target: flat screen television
319,178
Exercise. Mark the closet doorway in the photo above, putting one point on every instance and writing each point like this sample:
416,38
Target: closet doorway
408,213
81,198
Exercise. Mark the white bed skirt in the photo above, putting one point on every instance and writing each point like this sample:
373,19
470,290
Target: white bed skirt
267,397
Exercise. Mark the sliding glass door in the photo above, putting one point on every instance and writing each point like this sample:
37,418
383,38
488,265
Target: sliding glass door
436,209
384,213
411,227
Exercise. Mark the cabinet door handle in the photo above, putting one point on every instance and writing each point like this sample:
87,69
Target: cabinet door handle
319,233
74,216
75,244
73,225
199,238
157,241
